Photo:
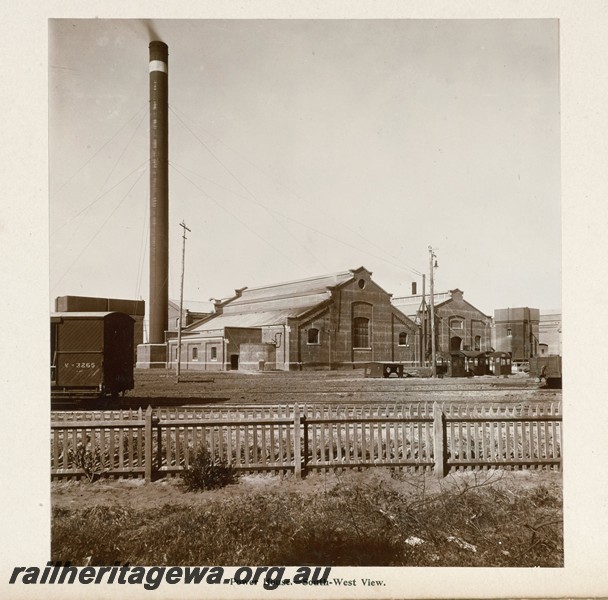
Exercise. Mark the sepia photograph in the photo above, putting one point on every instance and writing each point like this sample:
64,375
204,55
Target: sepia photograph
315,266
304,300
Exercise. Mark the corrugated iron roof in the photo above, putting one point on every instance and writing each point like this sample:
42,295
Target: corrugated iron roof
298,303
410,305
249,319
291,289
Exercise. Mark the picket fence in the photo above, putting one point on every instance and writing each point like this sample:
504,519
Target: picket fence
304,438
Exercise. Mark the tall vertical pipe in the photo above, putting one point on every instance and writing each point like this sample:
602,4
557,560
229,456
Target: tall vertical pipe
159,192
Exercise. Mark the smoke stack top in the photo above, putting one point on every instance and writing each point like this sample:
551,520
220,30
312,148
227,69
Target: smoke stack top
159,56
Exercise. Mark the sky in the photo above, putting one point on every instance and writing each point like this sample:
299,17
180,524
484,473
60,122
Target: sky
305,147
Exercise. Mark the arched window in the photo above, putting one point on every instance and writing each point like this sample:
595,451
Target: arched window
361,332
478,343
403,338
313,336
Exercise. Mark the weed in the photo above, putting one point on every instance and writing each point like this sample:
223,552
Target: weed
207,473
92,463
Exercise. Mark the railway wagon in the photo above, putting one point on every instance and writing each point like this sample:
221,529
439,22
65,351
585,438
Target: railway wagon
548,368
91,354
451,364
500,363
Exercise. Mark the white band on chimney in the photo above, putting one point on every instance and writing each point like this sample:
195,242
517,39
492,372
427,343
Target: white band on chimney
158,65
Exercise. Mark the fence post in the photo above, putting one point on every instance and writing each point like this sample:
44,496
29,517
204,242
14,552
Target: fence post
305,449
440,441
148,442
297,450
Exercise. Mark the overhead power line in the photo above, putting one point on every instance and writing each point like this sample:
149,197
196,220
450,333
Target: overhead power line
251,194
401,264
99,229
300,223
123,126
220,205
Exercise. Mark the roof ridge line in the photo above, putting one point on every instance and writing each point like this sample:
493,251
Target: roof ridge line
305,279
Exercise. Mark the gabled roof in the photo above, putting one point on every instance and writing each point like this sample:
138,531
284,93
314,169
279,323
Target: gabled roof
301,292
252,319
410,305
274,304
457,295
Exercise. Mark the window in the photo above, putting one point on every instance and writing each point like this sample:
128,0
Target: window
361,332
478,343
213,352
313,336
195,353
403,338
456,324
361,283
509,332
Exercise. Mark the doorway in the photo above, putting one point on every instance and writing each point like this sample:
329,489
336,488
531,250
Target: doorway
234,362
455,343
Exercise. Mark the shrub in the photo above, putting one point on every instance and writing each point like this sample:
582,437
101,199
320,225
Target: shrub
207,473
90,462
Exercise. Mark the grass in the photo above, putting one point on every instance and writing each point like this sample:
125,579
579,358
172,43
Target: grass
469,522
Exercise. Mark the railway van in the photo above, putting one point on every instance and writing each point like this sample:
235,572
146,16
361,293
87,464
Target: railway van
91,354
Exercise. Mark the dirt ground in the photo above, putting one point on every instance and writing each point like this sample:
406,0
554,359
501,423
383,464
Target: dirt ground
134,493
334,386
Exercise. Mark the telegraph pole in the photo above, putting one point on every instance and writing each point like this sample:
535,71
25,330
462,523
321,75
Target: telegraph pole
181,302
432,266
424,324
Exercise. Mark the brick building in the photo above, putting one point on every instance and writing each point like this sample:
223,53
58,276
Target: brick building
334,321
516,330
459,326
550,332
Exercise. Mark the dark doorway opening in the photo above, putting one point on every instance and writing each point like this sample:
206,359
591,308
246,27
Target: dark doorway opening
455,343
234,362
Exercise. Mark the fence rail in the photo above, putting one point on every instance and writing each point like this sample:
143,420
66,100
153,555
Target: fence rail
299,439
